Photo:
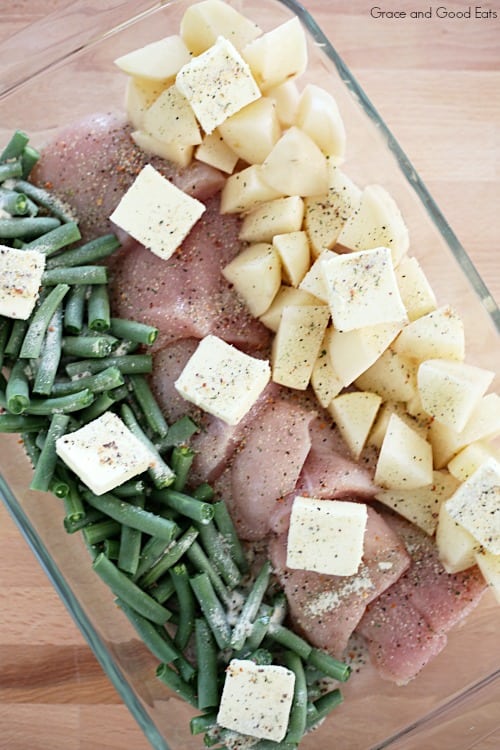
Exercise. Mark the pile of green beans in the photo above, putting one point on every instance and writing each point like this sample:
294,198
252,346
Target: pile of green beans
167,549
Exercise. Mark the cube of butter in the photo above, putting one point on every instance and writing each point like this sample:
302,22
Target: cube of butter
326,536
20,278
256,699
222,380
157,213
104,453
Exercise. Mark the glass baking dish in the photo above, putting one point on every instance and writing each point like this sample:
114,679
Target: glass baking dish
72,75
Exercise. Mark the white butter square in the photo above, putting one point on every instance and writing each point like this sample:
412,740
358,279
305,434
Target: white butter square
217,83
222,380
362,289
104,453
326,536
21,274
157,213
476,505
256,699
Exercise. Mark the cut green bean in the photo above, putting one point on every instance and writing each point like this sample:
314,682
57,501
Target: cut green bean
289,640
111,548
98,308
175,682
130,488
11,169
163,590
101,530
189,506
16,338
101,404
74,309
216,549
323,706
89,253
17,393
203,723
259,627
331,667
212,609
181,460
64,404
203,492
52,241
90,516
40,321
15,146
47,460
5,328
133,330
206,660
128,364
121,585
251,607
298,712
29,158
131,515
74,274
180,579
101,382
226,527
172,555
179,433
201,562
150,553
26,227
50,355
74,509
15,204
149,405
30,447
130,542
21,423
88,346
161,647
160,472
46,199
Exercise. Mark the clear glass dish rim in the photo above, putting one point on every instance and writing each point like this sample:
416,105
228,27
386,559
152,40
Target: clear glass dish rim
60,53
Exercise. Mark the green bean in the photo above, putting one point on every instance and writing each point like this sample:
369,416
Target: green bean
181,459
226,527
74,509
130,542
30,447
175,682
161,647
178,433
133,330
74,309
206,660
323,706
90,516
298,711
201,562
329,665
217,551
74,274
98,308
189,506
16,338
103,381
212,609
40,321
130,488
163,590
92,251
21,423
17,392
26,227
172,555
203,722
29,158
101,404
251,607
101,530
45,198
52,241
180,579
154,548
5,328
88,346
128,364
203,492
131,515
160,472
289,640
15,204
64,404
50,355
149,405
47,460
259,628
15,146
125,589
111,548
11,169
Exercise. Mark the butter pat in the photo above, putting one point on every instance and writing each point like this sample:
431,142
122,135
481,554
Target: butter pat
223,381
256,699
362,289
326,536
217,84
476,505
104,453
157,213
20,278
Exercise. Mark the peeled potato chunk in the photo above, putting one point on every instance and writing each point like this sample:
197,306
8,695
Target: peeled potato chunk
277,56
385,412
416,292
325,382
286,99
354,414
456,547
252,132
215,152
271,218
470,458
405,459
176,152
489,565
171,119
256,275
439,334
158,61
392,376
353,352
318,115
203,22
140,93
286,296
245,190
293,249
296,166
297,343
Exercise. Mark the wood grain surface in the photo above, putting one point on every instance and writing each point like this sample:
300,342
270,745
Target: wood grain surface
436,82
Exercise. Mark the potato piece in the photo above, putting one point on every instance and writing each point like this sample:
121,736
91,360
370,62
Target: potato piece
470,458
405,458
376,436
326,214
245,190
286,99
421,505
256,275
297,344
353,352
271,218
313,281
325,382
293,249
277,56
176,152
416,292
354,414
140,94
203,22
455,545
157,61
171,119
392,376
296,166
253,131
489,565
215,152
450,390
318,115
377,222
287,295
439,334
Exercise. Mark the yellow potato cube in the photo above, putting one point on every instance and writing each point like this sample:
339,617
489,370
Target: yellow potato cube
354,414
405,458
293,249
256,275
295,165
297,343
271,218
278,55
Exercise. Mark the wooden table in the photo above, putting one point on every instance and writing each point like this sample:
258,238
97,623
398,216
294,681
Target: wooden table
436,82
